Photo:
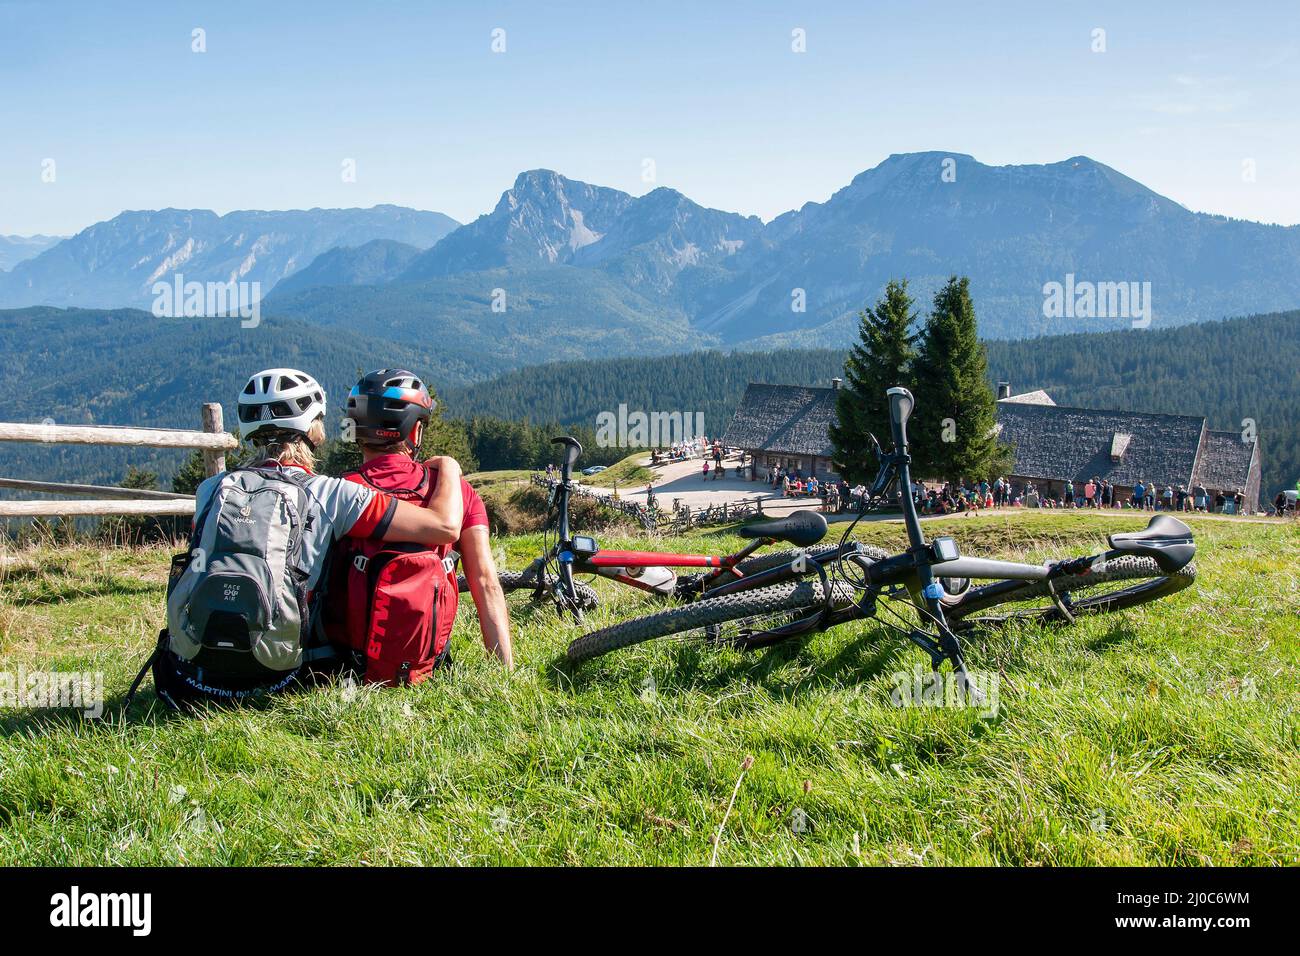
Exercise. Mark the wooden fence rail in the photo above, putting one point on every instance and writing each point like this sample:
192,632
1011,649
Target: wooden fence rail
93,491
113,435
677,520
213,440
79,509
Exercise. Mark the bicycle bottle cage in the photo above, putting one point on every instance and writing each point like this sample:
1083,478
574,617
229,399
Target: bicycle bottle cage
1165,540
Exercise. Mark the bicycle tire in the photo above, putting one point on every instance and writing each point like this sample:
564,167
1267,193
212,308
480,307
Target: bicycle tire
789,596
524,580
1154,585
818,552
773,559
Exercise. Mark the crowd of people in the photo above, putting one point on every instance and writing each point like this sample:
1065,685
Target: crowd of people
835,494
701,447
714,453
1093,493
965,496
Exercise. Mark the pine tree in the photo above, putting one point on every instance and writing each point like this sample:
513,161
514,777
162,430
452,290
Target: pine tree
881,359
952,429
194,470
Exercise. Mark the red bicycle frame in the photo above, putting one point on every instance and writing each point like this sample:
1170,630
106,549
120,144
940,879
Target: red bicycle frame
609,563
622,566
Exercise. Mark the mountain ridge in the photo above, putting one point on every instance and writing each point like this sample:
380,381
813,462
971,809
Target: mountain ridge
599,268
799,279
114,263
16,249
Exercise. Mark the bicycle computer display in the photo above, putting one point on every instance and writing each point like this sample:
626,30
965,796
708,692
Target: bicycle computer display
945,549
584,545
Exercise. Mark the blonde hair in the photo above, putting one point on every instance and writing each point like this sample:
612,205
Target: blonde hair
291,449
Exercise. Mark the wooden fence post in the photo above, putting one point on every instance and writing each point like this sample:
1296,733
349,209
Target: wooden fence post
214,460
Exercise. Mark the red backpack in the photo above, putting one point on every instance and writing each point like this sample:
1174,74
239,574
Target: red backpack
392,605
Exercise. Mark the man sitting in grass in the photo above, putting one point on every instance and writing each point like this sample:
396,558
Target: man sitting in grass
391,409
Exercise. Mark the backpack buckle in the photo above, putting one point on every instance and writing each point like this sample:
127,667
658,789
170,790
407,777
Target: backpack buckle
360,562
449,562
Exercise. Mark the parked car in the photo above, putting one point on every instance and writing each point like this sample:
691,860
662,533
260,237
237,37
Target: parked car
593,470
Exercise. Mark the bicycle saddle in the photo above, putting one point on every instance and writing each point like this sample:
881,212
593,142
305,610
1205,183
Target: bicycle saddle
1165,539
801,529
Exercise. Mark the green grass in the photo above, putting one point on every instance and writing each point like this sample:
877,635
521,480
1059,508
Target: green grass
629,472
1166,735
490,480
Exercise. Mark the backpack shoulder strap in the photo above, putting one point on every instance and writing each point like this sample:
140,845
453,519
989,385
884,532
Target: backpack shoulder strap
207,508
139,678
425,489
301,481
294,476
417,492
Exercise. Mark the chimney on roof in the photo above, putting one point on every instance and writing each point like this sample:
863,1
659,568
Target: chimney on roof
836,383
1004,390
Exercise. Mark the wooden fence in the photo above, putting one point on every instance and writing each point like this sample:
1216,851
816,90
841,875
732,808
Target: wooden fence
104,500
675,520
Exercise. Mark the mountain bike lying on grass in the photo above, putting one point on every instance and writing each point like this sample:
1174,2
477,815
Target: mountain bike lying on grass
552,575
848,583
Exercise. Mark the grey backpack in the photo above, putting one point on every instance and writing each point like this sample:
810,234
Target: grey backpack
237,610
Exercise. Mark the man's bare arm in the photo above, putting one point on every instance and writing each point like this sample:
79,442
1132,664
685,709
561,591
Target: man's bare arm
447,501
485,588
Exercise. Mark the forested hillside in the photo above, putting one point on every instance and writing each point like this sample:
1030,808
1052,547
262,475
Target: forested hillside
126,367
488,322
710,382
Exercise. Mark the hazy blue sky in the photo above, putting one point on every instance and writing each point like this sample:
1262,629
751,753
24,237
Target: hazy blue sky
1183,95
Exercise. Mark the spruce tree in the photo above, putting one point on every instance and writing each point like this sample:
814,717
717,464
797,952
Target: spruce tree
881,359
952,430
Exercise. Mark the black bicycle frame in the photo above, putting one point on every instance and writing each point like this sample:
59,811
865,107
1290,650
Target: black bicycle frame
912,569
572,450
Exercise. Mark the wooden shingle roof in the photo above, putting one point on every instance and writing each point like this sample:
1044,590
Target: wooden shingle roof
1036,397
787,419
1051,442
1058,442
1224,463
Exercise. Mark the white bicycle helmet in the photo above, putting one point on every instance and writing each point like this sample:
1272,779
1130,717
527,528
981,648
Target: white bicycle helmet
280,400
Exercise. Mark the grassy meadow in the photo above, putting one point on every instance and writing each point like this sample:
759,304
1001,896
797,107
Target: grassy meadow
1164,735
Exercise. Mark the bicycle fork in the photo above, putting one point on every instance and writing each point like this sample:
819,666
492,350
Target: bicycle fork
948,646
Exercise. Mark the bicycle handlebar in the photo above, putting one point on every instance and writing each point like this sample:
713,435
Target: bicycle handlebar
572,451
901,404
